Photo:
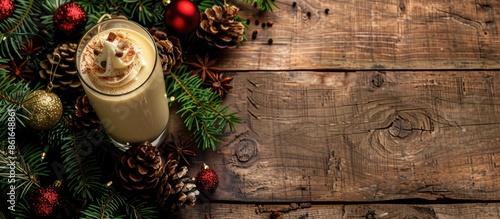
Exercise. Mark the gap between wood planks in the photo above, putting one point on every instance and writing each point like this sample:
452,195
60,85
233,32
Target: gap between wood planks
364,70
388,202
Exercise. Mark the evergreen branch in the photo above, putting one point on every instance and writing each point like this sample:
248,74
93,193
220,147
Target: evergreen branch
106,206
200,108
14,31
145,12
12,95
196,101
204,4
264,5
23,17
27,167
139,209
54,136
8,99
22,209
81,170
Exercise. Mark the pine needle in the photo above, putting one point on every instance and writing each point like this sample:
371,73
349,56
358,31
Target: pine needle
200,108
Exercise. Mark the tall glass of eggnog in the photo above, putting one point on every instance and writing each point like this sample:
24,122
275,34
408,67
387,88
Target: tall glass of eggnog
118,63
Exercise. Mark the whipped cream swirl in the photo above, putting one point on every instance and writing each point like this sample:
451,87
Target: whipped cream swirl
117,60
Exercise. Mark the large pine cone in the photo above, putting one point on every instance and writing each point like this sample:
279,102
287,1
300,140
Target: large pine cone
219,27
140,169
84,116
175,189
66,75
169,49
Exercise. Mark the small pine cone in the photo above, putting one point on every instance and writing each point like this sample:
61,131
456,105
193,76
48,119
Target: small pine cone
184,194
66,75
169,49
140,169
219,27
84,116
164,189
176,190
189,189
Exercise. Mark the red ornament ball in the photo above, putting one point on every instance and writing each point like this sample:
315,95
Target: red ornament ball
182,16
70,19
207,179
6,9
45,201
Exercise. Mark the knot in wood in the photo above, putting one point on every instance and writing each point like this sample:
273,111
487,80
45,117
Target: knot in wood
378,80
246,149
400,128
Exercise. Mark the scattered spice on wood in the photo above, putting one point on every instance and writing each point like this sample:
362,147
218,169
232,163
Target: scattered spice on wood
327,10
275,214
263,25
270,41
254,34
269,23
309,14
294,4
257,22
248,21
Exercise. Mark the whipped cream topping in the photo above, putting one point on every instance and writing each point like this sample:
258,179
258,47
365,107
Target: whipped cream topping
117,60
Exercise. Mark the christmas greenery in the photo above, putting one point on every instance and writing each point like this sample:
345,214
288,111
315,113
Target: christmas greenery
263,5
199,108
112,204
18,28
83,159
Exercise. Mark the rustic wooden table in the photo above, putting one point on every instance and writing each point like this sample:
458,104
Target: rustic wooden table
376,109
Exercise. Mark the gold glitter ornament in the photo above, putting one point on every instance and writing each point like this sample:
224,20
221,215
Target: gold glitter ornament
43,109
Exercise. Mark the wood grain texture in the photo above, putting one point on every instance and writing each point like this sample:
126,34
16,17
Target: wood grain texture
334,211
360,136
381,34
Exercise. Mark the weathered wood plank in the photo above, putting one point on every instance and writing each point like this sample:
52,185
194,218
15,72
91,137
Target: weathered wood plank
382,34
360,136
321,211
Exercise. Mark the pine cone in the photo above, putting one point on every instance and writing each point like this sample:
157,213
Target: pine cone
219,27
169,49
176,190
66,75
84,116
140,169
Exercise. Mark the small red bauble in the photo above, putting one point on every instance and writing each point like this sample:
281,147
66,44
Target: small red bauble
207,179
182,16
6,9
70,19
45,201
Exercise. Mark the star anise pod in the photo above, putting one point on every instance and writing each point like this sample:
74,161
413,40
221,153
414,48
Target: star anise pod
203,67
19,71
178,147
219,83
29,49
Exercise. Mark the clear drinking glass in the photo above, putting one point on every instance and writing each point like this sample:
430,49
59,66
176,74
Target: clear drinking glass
135,109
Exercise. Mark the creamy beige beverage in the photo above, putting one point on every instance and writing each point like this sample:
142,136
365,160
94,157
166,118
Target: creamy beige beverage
124,82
